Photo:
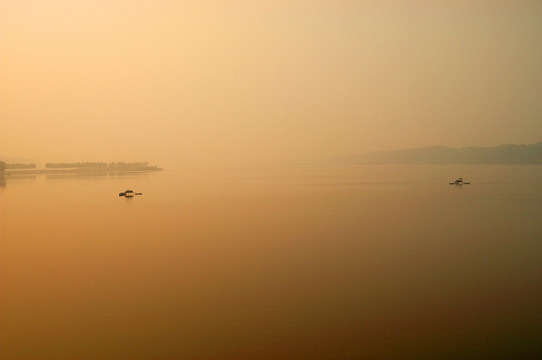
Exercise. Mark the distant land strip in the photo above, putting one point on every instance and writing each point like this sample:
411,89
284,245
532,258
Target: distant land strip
79,167
503,154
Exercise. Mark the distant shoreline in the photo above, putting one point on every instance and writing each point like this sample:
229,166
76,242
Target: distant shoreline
503,154
75,171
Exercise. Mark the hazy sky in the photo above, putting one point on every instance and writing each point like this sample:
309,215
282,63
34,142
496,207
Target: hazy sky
188,82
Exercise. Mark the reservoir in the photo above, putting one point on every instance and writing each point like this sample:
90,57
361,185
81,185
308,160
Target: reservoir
273,262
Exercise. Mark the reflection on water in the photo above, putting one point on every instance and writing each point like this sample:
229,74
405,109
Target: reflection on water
13,178
343,262
76,176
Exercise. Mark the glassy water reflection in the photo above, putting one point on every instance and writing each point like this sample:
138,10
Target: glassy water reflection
285,262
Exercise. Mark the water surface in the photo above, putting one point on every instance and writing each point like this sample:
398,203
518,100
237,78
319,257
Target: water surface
330,262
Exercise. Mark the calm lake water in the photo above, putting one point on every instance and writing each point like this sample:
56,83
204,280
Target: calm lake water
323,262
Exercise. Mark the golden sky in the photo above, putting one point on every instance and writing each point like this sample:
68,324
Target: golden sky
246,82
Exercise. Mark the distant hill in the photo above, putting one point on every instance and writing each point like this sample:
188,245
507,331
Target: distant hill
503,154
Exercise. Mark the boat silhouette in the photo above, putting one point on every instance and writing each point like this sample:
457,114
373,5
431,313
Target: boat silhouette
129,193
459,182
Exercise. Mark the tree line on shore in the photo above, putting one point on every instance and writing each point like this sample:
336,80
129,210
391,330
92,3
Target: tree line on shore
4,166
20,166
120,165
103,165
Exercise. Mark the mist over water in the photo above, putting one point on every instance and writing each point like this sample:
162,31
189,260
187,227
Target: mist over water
270,262
331,262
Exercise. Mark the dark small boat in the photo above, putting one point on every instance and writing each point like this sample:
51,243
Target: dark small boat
459,182
129,193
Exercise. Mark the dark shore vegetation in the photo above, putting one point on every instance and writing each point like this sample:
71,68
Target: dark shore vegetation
77,167
20,166
114,166
15,166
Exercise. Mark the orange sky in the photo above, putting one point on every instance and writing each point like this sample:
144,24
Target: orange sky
247,82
